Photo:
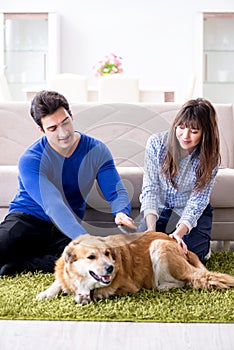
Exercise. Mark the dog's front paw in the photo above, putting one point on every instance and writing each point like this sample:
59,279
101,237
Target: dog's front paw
50,292
44,295
82,299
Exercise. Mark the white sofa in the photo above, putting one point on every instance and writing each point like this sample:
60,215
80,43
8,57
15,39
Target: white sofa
125,129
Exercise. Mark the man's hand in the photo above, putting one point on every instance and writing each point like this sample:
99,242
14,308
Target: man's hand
125,223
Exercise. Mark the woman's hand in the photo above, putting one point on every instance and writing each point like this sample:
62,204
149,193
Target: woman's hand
179,241
178,234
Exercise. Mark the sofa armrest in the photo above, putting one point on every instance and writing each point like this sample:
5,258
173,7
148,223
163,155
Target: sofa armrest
222,195
8,183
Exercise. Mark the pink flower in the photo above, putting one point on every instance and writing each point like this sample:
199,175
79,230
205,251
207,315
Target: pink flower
111,64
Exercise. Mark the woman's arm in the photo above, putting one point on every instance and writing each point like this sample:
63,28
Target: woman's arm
196,204
194,208
151,182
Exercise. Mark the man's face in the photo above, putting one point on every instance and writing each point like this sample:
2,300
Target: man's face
59,130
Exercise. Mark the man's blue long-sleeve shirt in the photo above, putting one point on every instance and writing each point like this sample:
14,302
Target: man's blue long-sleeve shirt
55,188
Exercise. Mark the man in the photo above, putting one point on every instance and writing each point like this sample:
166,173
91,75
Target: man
56,174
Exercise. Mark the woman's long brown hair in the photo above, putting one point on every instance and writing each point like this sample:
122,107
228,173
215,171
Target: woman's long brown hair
196,114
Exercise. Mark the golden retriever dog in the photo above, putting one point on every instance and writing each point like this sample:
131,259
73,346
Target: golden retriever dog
95,267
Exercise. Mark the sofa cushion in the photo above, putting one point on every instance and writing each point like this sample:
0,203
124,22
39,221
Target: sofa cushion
125,128
222,195
17,131
132,179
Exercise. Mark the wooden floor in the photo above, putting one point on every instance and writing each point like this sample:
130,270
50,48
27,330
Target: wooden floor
71,335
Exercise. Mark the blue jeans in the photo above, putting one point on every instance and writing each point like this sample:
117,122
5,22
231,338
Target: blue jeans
198,240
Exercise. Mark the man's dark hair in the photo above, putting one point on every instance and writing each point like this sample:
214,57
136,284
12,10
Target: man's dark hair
47,102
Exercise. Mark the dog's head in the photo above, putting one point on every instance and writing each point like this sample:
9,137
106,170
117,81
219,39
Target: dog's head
91,261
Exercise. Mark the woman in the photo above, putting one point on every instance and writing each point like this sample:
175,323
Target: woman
180,170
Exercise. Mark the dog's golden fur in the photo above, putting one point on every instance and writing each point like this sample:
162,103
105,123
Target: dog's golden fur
94,267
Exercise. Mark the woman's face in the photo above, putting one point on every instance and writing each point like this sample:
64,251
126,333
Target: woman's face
188,137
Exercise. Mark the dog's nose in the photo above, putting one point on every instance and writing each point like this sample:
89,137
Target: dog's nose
109,269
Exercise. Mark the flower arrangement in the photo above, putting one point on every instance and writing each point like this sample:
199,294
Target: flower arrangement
111,64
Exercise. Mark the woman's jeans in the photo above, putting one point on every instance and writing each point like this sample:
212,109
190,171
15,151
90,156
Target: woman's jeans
198,240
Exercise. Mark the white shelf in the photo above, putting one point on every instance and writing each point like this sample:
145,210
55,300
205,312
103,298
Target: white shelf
29,52
218,57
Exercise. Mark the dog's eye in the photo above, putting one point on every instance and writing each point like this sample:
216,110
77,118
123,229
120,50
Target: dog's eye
107,253
91,257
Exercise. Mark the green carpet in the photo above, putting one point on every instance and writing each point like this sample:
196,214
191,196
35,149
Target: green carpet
17,301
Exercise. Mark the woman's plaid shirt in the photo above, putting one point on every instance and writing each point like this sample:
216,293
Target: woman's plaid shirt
157,193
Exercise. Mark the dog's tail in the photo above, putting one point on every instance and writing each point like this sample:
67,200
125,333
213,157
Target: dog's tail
204,279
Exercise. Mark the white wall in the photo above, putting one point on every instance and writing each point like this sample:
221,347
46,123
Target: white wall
158,40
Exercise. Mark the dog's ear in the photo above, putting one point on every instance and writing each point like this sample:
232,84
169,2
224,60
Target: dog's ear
112,253
74,242
80,238
69,255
